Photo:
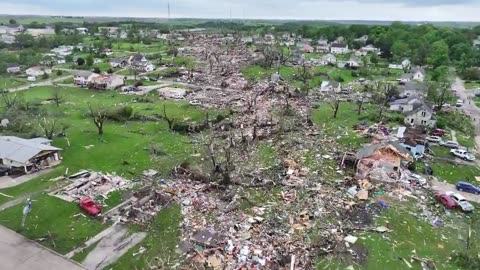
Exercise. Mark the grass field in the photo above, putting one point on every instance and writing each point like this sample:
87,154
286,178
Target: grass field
11,81
124,148
53,223
161,242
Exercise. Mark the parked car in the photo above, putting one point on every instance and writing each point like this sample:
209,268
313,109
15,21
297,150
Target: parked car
459,103
450,144
467,187
153,79
462,154
446,200
439,132
417,179
461,201
434,139
90,207
195,103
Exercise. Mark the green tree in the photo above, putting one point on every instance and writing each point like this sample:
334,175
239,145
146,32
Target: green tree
80,61
438,92
439,55
89,60
400,50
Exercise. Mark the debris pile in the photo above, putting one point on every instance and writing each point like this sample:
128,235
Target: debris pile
91,184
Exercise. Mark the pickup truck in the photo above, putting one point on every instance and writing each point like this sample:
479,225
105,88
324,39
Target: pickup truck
463,154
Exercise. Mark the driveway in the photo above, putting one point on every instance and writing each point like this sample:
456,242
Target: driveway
443,187
8,181
43,83
19,253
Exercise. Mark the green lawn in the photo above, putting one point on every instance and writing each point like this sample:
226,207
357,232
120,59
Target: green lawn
161,242
11,81
32,186
156,47
53,223
472,85
124,148
144,82
410,236
453,173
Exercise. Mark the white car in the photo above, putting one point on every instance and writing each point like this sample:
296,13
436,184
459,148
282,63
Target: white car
460,201
459,103
195,103
417,179
450,144
462,154
434,139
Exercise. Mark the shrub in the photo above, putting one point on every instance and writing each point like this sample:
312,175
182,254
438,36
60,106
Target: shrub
59,73
120,113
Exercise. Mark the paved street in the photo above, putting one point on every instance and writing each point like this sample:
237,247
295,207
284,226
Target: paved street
443,187
469,108
18,253
43,83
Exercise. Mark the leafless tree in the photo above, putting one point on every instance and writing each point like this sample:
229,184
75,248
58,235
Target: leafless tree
170,121
270,56
224,167
48,126
304,73
380,96
334,102
99,116
252,103
57,96
284,54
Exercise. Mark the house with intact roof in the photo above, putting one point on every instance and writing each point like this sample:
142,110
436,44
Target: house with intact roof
28,154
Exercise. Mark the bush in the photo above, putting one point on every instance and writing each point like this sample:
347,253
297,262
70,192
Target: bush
120,113
45,76
466,261
59,73
138,83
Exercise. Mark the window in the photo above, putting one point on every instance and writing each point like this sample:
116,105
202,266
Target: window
424,122
411,121
424,114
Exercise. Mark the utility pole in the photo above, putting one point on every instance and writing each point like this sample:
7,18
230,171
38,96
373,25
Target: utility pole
169,11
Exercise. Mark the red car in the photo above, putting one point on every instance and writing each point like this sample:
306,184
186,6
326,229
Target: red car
89,206
446,200
439,132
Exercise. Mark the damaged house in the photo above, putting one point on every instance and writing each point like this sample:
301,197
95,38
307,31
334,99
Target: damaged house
381,162
421,115
107,81
28,155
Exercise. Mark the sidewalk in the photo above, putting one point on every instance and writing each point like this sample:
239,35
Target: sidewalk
19,253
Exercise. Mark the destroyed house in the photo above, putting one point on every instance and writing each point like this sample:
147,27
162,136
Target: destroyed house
29,154
381,161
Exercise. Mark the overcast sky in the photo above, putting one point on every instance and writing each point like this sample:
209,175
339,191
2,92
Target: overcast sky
419,10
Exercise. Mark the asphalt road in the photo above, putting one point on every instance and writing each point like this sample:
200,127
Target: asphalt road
19,253
470,108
